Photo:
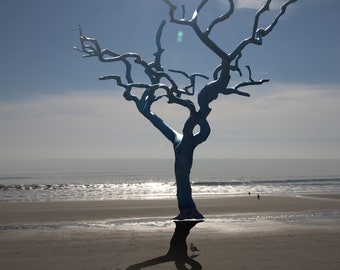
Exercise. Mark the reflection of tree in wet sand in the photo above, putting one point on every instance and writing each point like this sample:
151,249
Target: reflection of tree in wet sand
178,251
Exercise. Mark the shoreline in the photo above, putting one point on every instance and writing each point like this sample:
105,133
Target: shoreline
68,211
136,234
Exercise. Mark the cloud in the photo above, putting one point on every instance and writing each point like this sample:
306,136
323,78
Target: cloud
279,121
256,4
285,120
100,124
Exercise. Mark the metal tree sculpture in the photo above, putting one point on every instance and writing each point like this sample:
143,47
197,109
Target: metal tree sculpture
162,85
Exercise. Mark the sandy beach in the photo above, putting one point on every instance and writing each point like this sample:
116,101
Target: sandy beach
238,233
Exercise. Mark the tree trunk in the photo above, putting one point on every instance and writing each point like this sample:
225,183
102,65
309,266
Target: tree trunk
184,151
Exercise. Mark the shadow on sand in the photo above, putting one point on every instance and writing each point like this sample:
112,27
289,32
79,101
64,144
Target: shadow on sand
178,251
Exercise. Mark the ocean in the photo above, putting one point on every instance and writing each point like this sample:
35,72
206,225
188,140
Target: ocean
66,180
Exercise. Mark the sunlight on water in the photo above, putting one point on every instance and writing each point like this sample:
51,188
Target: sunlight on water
148,179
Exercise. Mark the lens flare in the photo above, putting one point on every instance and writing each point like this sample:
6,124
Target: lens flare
179,36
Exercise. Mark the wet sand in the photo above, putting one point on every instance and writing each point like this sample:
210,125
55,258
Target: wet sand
64,244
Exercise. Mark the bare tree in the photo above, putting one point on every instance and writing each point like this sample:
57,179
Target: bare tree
162,86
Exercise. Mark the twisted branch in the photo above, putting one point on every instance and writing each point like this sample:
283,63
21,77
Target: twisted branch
155,72
192,79
222,18
259,33
203,36
251,81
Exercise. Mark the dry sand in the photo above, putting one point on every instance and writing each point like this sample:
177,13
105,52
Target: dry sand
65,243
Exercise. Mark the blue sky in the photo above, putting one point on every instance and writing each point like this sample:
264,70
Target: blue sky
52,104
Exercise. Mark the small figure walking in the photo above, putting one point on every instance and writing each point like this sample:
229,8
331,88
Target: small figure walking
258,196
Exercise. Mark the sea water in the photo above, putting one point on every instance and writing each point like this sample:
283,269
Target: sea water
60,180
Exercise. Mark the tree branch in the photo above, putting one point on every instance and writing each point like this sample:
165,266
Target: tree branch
234,90
172,10
221,18
259,33
91,48
282,12
234,67
157,63
155,72
192,79
203,134
193,23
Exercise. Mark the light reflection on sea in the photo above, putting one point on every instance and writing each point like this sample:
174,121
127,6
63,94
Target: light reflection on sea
161,190
65,180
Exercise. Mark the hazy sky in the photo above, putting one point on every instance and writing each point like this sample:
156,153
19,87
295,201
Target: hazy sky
52,104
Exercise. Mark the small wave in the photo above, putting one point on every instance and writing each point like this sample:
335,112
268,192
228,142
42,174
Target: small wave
13,178
33,187
265,182
104,191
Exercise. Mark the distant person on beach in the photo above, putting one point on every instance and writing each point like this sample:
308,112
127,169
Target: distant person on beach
258,196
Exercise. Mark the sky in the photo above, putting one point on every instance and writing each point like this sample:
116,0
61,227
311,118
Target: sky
52,105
